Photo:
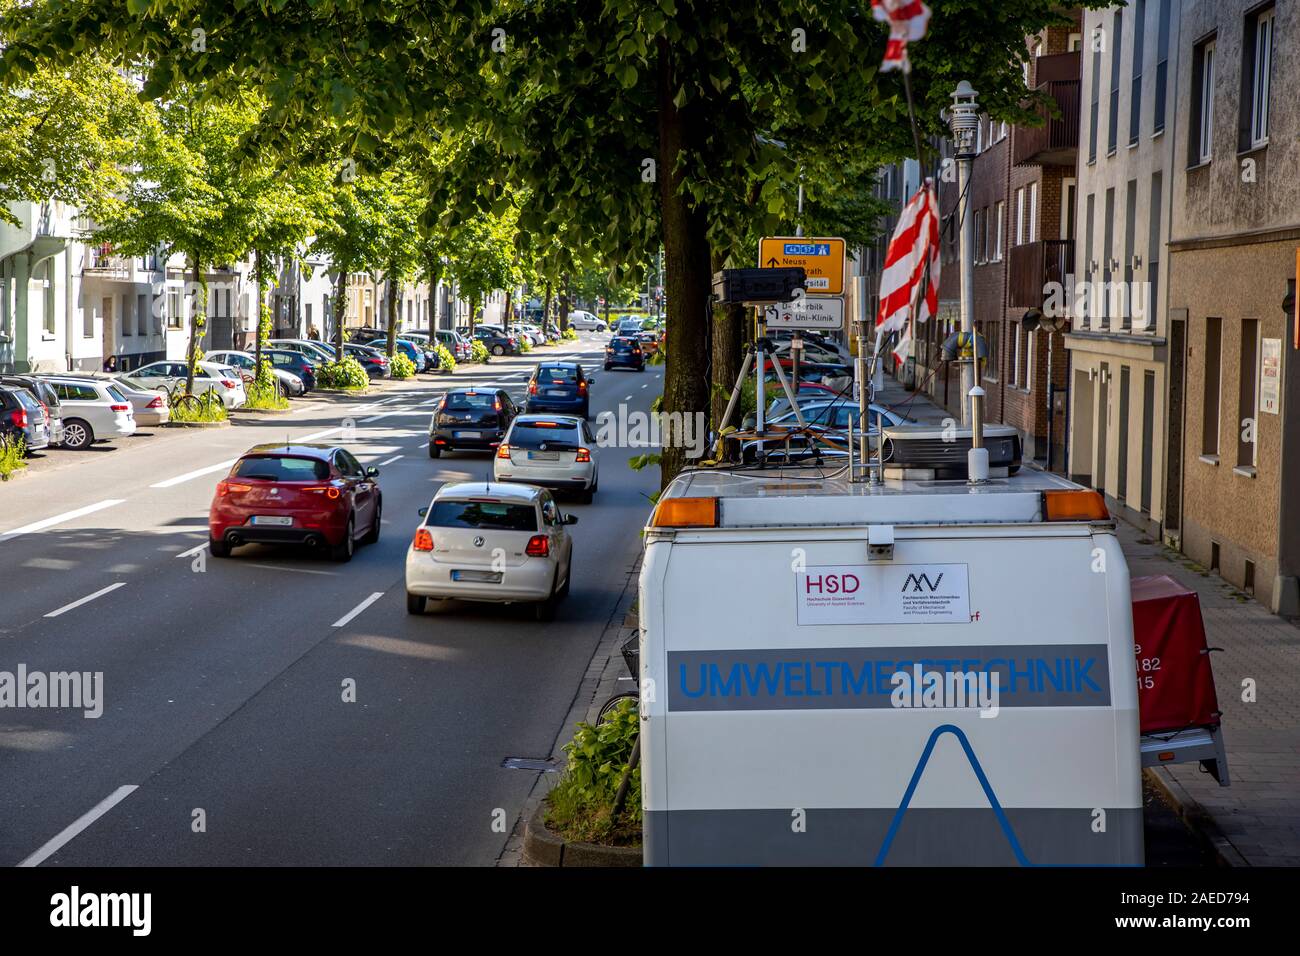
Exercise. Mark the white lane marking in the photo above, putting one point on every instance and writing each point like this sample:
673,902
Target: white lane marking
391,460
180,529
343,621
87,599
196,550
646,385
197,473
276,567
628,398
59,519
72,830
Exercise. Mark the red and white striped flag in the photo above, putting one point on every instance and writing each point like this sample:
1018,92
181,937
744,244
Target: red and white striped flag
915,244
907,20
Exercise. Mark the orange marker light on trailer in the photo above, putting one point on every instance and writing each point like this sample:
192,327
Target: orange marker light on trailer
1081,505
686,513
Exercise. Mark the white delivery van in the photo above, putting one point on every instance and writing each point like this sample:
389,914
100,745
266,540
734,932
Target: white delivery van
917,671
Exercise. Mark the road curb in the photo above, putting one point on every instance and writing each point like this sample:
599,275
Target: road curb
580,709
1195,817
265,411
221,424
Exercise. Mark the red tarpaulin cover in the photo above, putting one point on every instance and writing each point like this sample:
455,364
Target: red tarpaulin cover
1175,680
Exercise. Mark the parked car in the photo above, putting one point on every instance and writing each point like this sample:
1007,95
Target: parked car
44,394
244,363
23,416
551,451
475,418
94,410
317,352
485,541
559,387
149,407
585,321
624,351
459,345
227,383
296,362
497,341
317,495
367,336
372,360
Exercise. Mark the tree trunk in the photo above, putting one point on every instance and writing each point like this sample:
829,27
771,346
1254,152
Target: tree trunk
340,312
259,269
686,256
546,308
507,318
198,321
392,315
727,348
431,272
564,303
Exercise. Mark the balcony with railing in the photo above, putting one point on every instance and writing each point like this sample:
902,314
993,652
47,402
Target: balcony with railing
1056,141
102,260
1032,269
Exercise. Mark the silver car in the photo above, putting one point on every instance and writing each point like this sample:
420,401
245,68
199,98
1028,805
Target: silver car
94,410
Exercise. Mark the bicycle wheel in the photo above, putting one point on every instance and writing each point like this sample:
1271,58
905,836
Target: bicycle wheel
614,703
186,403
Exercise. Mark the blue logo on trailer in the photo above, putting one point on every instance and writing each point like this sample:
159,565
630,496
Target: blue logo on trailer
807,249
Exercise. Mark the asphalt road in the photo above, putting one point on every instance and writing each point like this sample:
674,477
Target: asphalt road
225,737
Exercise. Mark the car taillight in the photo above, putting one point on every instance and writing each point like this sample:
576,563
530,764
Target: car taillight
423,540
230,487
119,408
309,368
532,388
19,417
496,406
582,388
503,451
228,383
636,351
539,546
156,403
609,348
584,454
329,491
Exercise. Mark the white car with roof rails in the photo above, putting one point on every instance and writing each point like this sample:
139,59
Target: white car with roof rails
492,542
551,451
935,671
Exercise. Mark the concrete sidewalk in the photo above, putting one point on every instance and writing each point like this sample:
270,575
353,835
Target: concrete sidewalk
1256,820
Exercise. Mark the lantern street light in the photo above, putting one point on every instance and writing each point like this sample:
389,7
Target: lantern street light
963,119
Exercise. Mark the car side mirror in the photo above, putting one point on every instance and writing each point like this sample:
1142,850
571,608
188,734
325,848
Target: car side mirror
591,380
570,519
372,472
423,512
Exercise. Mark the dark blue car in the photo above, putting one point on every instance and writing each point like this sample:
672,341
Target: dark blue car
624,351
559,387
294,362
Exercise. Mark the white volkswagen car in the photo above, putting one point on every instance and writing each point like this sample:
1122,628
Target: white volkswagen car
482,541
552,451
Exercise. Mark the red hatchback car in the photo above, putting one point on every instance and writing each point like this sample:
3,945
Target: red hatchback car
313,494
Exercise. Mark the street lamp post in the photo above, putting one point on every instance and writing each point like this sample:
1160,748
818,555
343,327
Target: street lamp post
963,119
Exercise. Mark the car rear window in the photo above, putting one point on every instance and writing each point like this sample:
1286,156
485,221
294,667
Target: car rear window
557,436
282,468
493,515
470,399
557,375
116,395
623,345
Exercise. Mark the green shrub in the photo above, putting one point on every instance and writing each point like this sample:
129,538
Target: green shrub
264,390
525,343
401,366
478,351
207,407
446,361
345,374
581,805
13,451
569,334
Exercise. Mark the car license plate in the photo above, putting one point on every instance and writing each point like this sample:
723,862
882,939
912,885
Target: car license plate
543,456
556,391
467,434
480,577
282,521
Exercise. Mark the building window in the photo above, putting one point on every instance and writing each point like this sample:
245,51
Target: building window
1248,398
1256,69
128,327
1017,334
1130,239
999,211
1117,36
88,322
142,313
175,312
1213,377
1202,131
1069,191
1162,69
1139,54
991,332
1108,253
1033,212
1089,218
1020,216
1152,286
1096,95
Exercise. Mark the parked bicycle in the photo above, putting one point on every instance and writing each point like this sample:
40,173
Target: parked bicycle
631,651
